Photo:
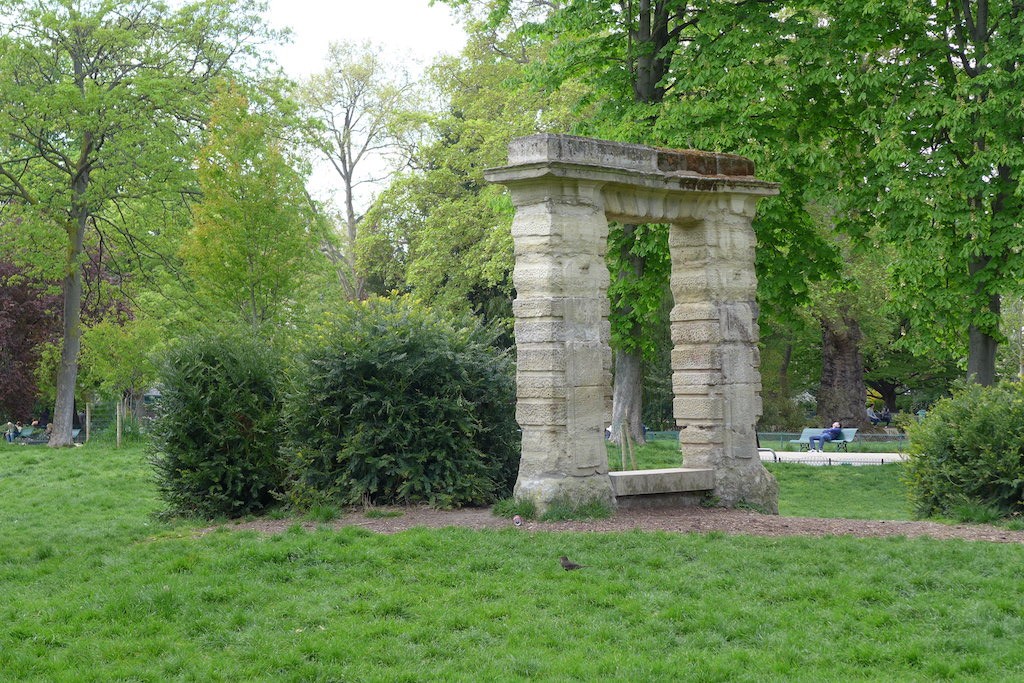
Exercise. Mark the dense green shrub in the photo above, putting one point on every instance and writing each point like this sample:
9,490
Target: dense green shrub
969,451
216,437
392,404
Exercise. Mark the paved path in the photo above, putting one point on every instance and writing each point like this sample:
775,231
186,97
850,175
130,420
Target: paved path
830,457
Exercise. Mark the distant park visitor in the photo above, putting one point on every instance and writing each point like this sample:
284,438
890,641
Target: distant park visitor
830,434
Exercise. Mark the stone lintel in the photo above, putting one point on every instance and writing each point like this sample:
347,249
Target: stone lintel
658,174
656,180
605,153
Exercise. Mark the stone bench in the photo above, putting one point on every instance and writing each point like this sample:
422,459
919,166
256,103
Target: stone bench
671,486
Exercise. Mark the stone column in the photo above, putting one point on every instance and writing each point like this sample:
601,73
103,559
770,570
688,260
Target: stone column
564,363
715,360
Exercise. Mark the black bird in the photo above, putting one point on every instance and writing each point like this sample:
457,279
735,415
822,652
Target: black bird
569,566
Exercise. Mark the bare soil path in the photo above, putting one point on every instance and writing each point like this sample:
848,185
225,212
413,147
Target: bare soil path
683,520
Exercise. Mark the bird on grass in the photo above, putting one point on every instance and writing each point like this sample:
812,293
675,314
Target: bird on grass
568,565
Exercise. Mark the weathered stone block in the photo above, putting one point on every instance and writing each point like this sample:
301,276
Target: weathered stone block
741,404
529,331
685,381
697,332
694,285
697,408
546,387
738,322
702,455
739,364
695,311
589,456
537,307
701,433
538,276
547,488
541,357
697,358
590,309
741,372
551,194
692,257
585,365
544,448
539,412
738,284
689,235
582,151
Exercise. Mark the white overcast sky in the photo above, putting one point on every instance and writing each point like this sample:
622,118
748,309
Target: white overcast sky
405,26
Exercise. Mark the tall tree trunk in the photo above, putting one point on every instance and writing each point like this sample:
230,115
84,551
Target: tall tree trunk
787,358
67,373
64,417
981,357
842,392
627,398
627,389
981,346
358,282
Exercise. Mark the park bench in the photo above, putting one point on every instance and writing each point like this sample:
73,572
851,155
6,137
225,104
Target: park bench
804,442
34,435
31,435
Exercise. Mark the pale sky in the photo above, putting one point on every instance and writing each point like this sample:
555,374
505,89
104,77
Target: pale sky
406,26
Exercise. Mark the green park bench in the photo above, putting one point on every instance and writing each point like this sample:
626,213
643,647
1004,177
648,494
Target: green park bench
34,435
804,442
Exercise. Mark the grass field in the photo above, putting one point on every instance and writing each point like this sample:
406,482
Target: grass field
96,589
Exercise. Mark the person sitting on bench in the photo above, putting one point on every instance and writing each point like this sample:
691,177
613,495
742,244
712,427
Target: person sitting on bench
833,432
875,418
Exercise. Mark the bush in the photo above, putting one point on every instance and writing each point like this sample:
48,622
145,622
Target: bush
394,405
968,453
215,439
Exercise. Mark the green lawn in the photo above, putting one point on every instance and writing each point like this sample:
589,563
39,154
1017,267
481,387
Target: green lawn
864,492
95,589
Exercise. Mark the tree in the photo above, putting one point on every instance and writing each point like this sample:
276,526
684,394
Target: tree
939,94
914,114
27,314
117,360
255,233
366,109
440,230
99,109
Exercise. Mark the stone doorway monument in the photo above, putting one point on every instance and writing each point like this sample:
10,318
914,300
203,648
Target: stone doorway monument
565,191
